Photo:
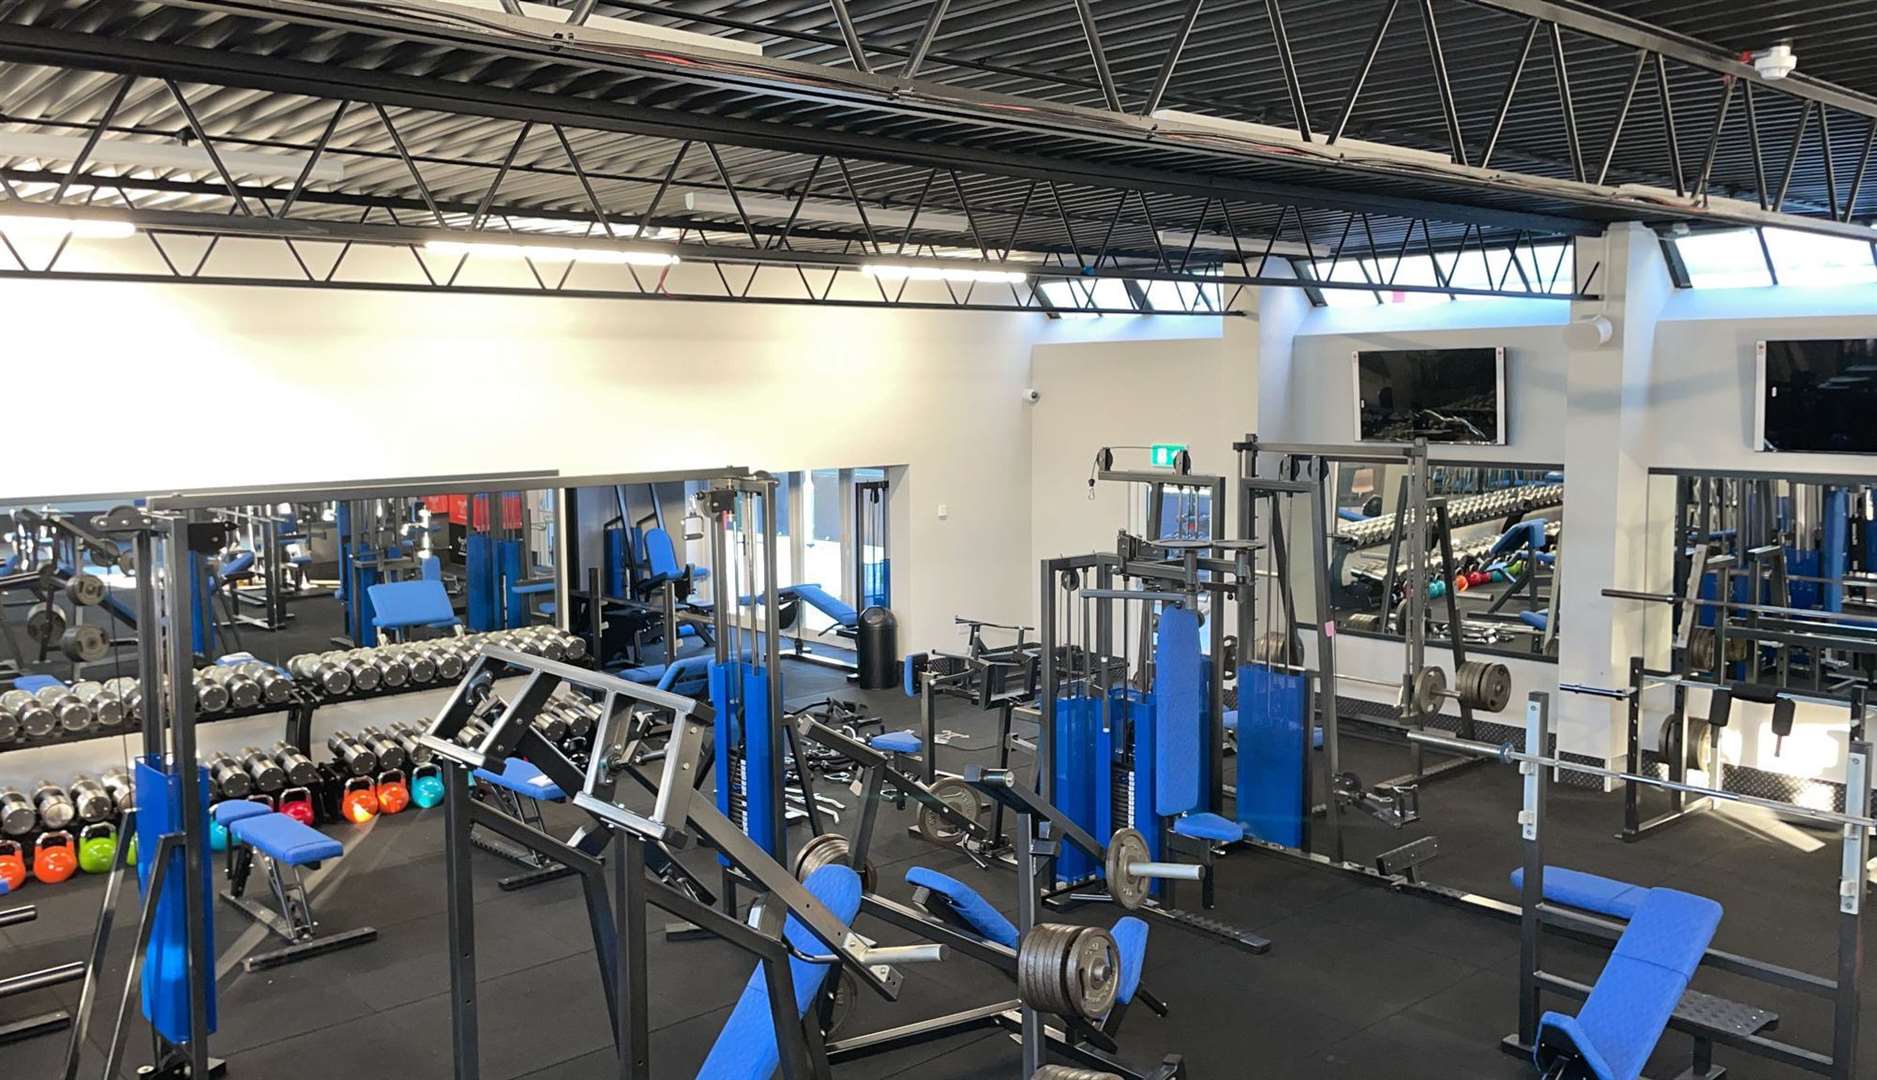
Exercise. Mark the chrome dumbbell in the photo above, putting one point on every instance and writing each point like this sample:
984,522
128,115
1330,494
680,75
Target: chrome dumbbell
366,676
55,806
300,770
551,725
123,792
390,753
17,816
106,707
70,713
451,660
11,704
576,647
423,665
406,736
230,777
130,692
92,799
351,754
315,668
211,696
243,692
396,669
276,688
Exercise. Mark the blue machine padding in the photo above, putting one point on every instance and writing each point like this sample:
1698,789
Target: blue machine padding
479,584
1574,888
825,602
1529,533
661,558
1203,826
1647,973
1835,549
1537,620
429,568
760,749
238,565
896,742
909,673
399,604
688,675
977,912
32,684
723,679
746,1047
533,588
615,561
1179,714
239,658
285,839
524,779
1349,513
511,556
1130,938
1271,755
1076,779
165,991
229,811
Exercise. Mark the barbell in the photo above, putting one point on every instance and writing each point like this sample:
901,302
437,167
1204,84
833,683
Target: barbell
1480,685
1131,871
1072,971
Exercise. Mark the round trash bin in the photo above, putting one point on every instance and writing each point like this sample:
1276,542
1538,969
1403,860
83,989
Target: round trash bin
876,643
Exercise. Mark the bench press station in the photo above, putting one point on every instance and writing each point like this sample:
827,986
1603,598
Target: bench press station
1662,937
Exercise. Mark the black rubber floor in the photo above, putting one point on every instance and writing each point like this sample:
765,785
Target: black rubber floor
1360,982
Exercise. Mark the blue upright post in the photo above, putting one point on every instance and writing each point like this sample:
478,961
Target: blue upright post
165,985
515,606
479,569
1836,546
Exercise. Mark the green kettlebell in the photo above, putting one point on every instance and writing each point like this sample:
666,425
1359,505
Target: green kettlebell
130,853
97,847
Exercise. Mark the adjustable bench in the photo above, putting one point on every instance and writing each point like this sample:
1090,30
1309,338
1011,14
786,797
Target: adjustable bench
519,789
954,902
746,1047
1643,988
846,618
687,676
284,845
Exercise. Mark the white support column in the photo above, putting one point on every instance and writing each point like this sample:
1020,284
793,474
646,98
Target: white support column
1608,448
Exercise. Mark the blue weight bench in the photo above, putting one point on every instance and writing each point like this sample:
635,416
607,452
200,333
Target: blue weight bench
399,606
1644,984
688,675
846,618
746,1047
952,901
1180,746
283,845
518,790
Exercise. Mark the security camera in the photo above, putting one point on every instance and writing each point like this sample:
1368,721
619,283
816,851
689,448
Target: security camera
1776,62
1032,395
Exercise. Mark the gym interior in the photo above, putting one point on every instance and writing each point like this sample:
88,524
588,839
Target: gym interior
837,539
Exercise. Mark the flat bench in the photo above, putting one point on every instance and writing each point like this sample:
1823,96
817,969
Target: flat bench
285,845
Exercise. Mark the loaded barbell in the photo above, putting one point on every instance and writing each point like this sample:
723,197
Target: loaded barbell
1072,971
1481,685
1131,871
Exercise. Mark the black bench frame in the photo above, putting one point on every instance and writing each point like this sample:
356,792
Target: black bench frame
291,919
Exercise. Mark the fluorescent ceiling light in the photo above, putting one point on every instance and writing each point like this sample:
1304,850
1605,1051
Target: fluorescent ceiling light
549,253
1346,149
878,217
83,228
894,272
523,225
163,155
607,26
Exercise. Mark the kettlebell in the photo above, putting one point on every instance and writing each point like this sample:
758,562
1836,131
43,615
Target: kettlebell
297,803
55,857
218,835
427,785
394,794
97,847
130,853
359,802
12,865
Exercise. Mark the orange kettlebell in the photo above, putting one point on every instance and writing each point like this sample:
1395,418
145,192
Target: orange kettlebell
394,795
360,801
55,857
297,803
12,865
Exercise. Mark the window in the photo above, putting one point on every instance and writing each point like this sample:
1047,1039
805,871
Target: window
1750,259
1803,258
1185,296
1723,260
1541,268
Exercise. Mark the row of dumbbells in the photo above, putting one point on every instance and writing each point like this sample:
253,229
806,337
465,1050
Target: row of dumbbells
85,801
421,663
112,703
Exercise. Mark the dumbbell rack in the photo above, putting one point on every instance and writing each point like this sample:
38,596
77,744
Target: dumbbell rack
299,709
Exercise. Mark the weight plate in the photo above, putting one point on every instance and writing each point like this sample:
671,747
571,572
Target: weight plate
1092,975
823,850
45,624
958,795
86,590
1495,687
1430,684
1042,956
84,643
1125,847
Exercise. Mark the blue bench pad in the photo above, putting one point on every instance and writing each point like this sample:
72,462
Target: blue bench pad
410,603
1574,888
896,742
229,811
746,1047
1640,986
825,602
523,779
285,839
977,912
1130,938
1209,827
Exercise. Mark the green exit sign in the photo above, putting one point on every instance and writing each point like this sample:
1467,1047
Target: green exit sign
1165,453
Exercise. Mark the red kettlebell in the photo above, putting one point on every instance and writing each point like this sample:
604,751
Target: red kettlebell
359,804
1480,577
297,803
394,794
12,865
55,857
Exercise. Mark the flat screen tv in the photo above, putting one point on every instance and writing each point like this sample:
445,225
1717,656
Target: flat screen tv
1817,397
1441,395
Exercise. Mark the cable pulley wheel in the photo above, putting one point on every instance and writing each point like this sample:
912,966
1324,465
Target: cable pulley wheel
1072,971
1126,847
958,795
1485,686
